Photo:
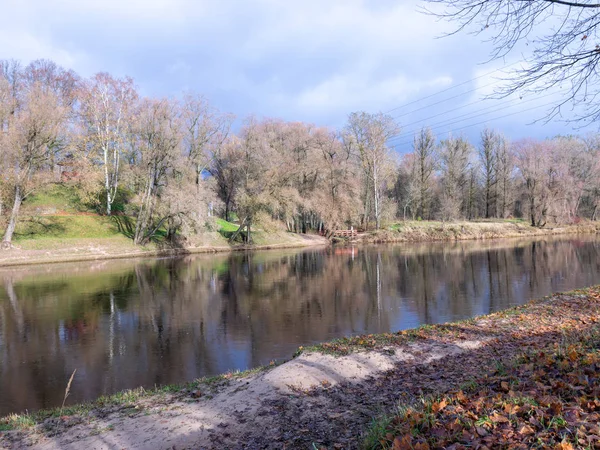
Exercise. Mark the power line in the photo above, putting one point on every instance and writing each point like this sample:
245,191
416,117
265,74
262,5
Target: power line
453,110
482,122
451,87
469,115
445,100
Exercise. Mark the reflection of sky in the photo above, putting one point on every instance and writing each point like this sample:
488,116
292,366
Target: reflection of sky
404,315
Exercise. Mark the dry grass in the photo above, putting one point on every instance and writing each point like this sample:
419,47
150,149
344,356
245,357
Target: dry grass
421,231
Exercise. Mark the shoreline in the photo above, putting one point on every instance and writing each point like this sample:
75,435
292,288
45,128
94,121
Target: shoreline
415,232
309,398
312,241
465,231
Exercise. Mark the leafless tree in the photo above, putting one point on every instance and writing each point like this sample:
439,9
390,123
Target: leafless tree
28,141
455,158
564,38
488,152
367,136
205,130
105,105
423,167
158,131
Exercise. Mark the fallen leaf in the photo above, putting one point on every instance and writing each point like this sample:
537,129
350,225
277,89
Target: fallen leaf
438,406
526,430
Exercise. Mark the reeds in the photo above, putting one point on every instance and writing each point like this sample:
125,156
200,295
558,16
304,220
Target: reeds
68,389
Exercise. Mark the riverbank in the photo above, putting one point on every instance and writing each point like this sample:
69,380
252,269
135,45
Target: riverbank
116,246
430,231
75,250
329,395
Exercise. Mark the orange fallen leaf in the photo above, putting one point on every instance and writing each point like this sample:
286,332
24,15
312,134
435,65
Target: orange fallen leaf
526,430
438,406
563,446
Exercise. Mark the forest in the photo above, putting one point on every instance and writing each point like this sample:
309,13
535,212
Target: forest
172,165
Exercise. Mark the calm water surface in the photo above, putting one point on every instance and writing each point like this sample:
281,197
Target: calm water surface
123,324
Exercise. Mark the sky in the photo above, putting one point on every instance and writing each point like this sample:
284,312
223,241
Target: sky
309,60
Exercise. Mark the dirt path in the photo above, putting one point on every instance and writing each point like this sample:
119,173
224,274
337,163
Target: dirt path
321,400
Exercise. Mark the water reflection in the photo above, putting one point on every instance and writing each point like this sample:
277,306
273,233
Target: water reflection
123,324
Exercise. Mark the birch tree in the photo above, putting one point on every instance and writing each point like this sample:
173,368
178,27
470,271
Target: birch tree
105,109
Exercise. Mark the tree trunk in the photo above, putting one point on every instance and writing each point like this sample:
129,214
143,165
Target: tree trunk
145,210
239,230
227,210
12,222
376,198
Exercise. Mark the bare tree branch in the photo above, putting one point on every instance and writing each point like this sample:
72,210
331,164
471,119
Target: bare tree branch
564,57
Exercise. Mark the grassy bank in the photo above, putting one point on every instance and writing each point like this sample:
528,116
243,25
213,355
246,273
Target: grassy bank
526,377
429,231
54,226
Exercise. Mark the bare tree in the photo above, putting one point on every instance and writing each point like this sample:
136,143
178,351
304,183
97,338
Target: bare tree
105,105
534,162
28,141
423,167
455,154
488,161
566,54
367,136
158,131
204,128
336,199
505,168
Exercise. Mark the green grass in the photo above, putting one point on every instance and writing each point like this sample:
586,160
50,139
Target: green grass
65,227
227,226
54,196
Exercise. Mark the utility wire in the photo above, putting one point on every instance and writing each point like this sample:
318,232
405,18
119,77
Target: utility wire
451,88
482,122
439,102
470,115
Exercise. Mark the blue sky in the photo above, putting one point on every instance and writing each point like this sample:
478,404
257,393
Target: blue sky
309,60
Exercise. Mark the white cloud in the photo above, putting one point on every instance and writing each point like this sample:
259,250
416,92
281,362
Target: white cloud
308,60
351,92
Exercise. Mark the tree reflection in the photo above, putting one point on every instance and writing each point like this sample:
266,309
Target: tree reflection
130,323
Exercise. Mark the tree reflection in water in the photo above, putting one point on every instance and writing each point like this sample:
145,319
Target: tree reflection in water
123,324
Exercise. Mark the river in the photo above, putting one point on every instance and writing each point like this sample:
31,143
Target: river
147,322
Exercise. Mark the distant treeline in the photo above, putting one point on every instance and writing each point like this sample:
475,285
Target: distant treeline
169,164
